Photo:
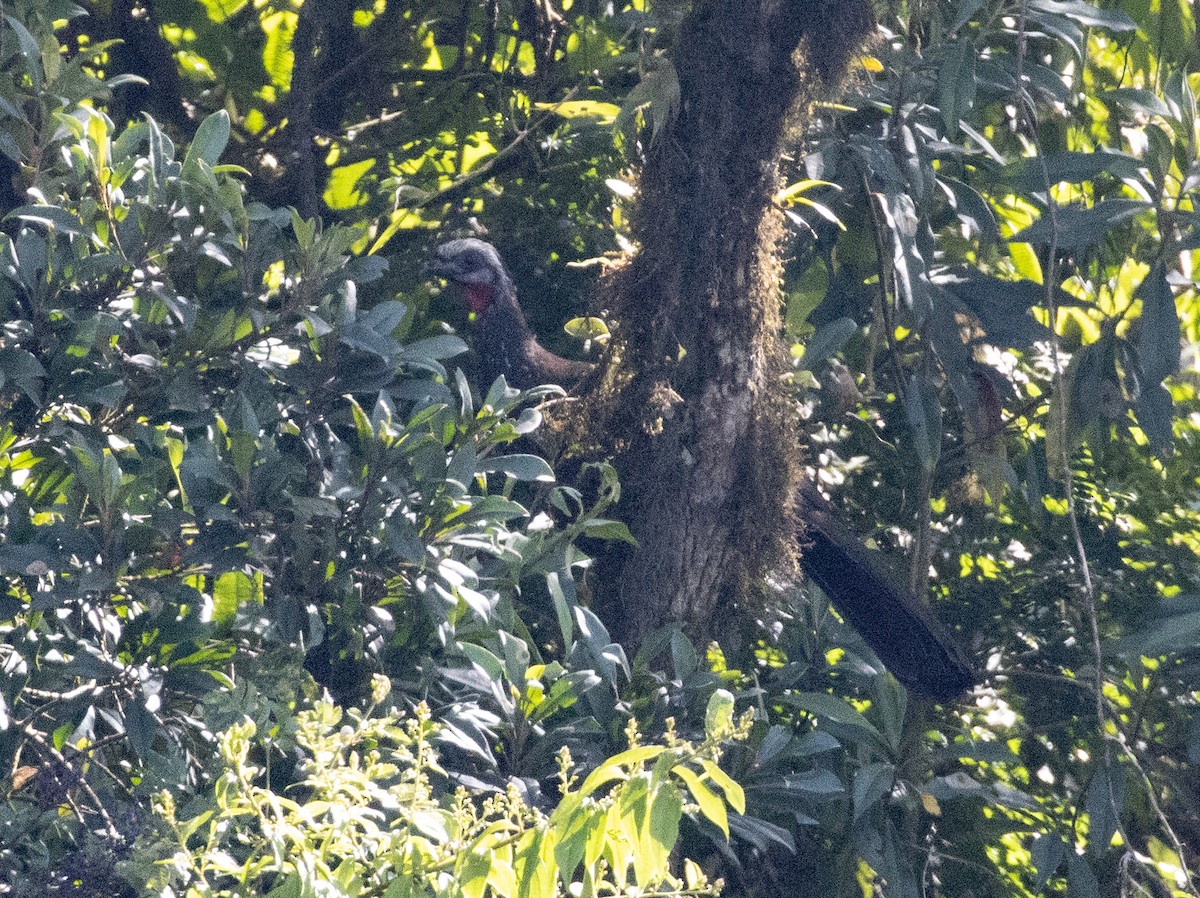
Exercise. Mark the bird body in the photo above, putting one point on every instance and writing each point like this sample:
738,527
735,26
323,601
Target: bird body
899,627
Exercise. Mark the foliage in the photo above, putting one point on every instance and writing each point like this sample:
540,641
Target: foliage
1006,176
233,442
370,820
222,457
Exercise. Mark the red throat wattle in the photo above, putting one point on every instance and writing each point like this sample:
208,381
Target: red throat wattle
479,296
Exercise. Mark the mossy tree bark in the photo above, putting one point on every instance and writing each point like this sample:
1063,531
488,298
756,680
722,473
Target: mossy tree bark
705,441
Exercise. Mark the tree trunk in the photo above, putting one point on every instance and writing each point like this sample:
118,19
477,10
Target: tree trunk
707,447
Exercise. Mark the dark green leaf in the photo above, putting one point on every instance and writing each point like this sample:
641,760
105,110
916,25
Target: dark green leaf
1079,229
210,140
1155,410
956,83
1001,307
871,783
827,341
1138,100
966,10
832,708
923,409
1159,346
1176,628
29,49
1089,15
1071,167
1048,852
760,833
1105,800
53,217
971,208
599,528
1081,879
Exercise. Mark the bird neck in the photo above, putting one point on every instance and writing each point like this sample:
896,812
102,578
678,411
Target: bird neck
504,344
497,311
479,297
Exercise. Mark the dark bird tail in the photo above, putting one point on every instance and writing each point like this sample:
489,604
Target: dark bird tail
897,625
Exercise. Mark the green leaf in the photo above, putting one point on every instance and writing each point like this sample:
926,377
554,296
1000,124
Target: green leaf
966,10
519,467
362,425
1138,100
712,807
1088,375
718,716
210,140
20,368
761,833
1072,167
30,50
53,217
445,346
685,660
1089,15
588,329
616,767
872,782
516,657
491,665
827,341
535,866
734,794
602,528
1175,629
1155,410
402,886
575,825
387,316
1001,307
232,590
1064,32
596,110
243,447
659,833
277,54
140,729
657,97
923,408
971,208
557,585
565,692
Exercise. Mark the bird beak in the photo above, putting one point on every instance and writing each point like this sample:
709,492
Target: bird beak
433,268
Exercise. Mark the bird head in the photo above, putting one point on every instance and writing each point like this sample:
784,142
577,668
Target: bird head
475,265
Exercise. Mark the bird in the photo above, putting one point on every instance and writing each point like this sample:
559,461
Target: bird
893,621
502,338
